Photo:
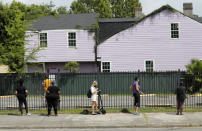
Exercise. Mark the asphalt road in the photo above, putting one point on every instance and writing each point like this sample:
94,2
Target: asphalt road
110,129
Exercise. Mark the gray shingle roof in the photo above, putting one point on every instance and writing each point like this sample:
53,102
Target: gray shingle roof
199,19
109,27
65,21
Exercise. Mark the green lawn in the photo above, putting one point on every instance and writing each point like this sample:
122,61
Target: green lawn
109,110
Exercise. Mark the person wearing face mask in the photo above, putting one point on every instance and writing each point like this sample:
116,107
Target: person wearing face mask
94,97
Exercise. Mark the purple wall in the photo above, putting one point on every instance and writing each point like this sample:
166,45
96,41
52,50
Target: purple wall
84,67
58,49
151,40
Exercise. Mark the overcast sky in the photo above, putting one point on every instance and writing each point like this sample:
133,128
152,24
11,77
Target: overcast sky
148,5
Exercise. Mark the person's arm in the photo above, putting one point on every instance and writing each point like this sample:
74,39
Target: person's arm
26,92
94,91
131,87
59,95
138,90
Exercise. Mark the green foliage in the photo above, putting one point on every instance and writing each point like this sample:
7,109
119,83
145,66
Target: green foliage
72,67
62,10
12,38
195,67
106,8
124,8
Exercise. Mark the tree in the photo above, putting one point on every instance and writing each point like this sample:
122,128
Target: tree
194,71
72,67
103,8
62,10
195,67
82,6
106,8
12,36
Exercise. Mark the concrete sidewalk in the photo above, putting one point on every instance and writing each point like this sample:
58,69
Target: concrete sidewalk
113,120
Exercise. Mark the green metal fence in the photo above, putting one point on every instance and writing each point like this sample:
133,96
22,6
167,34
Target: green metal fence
158,87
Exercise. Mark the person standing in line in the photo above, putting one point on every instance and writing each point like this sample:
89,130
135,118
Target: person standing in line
53,97
135,88
94,97
181,96
21,93
46,83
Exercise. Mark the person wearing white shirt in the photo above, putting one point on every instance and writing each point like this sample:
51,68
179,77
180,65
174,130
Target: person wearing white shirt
94,97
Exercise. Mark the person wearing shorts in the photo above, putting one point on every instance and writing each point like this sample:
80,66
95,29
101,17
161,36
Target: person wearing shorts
94,97
135,88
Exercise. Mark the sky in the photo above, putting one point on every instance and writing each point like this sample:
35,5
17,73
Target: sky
148,5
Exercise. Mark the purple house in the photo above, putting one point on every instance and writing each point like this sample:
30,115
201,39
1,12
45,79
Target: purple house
62,39
164,40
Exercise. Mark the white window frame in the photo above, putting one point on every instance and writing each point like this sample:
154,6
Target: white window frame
175,30
40,39
109,66
71,39
145,64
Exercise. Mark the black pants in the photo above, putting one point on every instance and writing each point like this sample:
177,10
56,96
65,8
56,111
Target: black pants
180,104
52,103
136,100
21,102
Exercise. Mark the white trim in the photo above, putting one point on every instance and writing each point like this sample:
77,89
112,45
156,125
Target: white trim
67,30
110,64
149,60
40,40
72,47
178,31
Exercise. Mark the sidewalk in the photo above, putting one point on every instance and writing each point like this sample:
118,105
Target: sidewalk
113,120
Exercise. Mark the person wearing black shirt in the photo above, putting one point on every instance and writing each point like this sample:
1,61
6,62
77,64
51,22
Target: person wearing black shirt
181,96
53,97
21,93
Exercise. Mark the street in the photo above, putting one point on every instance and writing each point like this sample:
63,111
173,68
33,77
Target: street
110,129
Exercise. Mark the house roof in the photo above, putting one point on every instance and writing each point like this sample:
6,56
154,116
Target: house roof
110,27
65,21
199,19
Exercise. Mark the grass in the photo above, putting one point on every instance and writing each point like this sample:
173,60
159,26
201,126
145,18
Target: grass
109,110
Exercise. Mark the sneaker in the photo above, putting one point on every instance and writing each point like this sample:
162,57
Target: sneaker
28,114
136,113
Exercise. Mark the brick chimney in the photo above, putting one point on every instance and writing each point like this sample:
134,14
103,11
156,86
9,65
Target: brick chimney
188,9
138,12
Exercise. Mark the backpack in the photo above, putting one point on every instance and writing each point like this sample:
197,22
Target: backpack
89,94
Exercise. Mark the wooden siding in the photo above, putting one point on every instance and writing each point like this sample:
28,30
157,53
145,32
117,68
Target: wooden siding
151,40
58,50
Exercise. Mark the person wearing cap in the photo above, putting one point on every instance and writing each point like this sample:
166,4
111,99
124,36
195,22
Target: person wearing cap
181,96
21,93
94,97
53,97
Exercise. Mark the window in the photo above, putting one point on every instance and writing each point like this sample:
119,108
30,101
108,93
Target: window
43,39
174,30
149,66
105,66
72,39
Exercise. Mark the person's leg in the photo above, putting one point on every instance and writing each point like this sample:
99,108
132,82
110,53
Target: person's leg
55,106
96,106
49,102
26,106
93,107
20,105
181,107
138,102
178,107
